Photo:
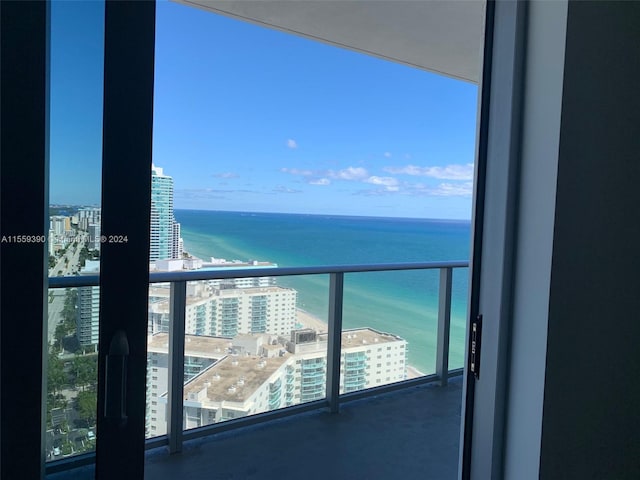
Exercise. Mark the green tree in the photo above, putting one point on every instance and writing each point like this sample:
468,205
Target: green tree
58,335
69,311
85,370
67,448
71,297
83,255
56,376
86,405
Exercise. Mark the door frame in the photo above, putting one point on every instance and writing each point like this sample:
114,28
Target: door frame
124,264
23,225
495,224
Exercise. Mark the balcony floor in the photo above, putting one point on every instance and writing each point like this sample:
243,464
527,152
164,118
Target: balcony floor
411,434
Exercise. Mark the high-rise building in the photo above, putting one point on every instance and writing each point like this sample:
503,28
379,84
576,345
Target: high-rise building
165,231
177,245
87,327
94,236
88,216
58,224
161,215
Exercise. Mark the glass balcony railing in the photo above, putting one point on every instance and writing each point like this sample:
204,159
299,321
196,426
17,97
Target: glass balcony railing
232,375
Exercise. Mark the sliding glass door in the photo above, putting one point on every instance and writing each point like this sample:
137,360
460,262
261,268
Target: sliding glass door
100,116
96,305
126,203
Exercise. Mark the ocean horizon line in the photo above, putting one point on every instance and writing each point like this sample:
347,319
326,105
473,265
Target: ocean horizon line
330,215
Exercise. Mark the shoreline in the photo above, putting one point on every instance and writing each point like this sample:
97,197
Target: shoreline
308,320
413,372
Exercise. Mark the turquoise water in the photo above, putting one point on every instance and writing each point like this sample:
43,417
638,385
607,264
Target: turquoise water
402,303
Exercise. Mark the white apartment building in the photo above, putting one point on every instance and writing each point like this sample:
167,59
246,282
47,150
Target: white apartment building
87,216
93,242
177,244
227,311
200,353
87,326
251,374
60,225
243,282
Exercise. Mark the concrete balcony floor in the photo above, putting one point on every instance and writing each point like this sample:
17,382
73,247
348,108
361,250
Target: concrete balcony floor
409,434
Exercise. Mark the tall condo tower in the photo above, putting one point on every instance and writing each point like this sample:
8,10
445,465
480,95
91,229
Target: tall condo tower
163,224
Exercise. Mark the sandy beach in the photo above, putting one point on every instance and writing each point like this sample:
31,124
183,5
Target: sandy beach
413,372
311,321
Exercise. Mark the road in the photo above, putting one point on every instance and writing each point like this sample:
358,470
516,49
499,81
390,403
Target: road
54,311
72,257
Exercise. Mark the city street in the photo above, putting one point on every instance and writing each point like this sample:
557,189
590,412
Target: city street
72,264
54,311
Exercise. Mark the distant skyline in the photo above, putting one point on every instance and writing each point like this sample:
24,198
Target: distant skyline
252,119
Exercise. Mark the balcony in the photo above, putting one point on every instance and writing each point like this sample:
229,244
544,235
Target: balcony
421,412
419,438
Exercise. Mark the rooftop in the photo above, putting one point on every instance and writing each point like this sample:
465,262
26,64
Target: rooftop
230,292
234,378
364,336
194,346
163,292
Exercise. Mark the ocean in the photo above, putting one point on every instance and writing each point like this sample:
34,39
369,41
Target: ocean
401,303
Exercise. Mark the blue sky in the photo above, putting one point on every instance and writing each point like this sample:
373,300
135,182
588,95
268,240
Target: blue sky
251,119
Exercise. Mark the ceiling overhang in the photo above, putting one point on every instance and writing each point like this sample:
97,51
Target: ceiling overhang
441,36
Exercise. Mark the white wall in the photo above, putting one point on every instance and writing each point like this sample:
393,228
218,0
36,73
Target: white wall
544,67
591,421
559,391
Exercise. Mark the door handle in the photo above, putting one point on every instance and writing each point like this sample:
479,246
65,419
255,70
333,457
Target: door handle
116,379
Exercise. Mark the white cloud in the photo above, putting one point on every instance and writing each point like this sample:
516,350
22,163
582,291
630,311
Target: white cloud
450,172
452,190
385,187
291,143
297,171
376,192
226,175
320,181
387,154
386,181
209,193
350,173
283,189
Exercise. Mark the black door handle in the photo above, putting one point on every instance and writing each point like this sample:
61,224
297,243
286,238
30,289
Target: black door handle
116,379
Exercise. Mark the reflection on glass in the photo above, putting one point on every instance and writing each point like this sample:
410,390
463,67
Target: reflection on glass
459,303
157,360
72,371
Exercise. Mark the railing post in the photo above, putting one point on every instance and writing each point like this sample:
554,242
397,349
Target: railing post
444,325
336,287
176,365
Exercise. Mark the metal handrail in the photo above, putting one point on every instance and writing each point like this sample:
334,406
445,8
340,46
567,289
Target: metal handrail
247,272
333,397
